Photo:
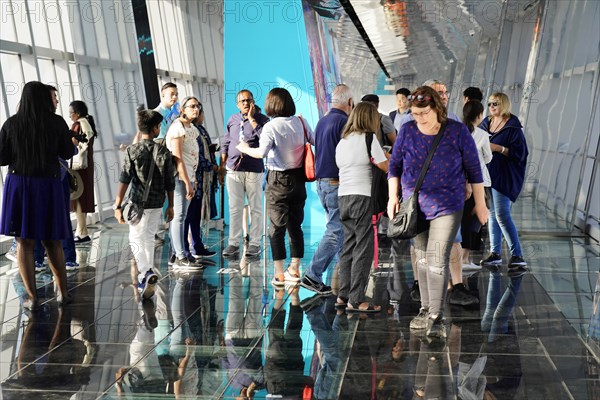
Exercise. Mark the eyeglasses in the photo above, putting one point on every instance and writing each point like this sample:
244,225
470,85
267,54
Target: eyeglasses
250,101
421,114
198,106
443,93
493,104
419,98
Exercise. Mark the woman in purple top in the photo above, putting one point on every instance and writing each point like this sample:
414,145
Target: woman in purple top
441,198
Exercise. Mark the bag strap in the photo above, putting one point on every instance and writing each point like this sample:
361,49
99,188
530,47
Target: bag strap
369,140
434,146
152,163
304,127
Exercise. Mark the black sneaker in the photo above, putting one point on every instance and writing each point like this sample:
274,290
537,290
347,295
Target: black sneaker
148,285
436,327
231,250
459,296
149,315
311,302
492,259
314,286
187,263
516,261
252,251
415,294
204,253
82,240
518,271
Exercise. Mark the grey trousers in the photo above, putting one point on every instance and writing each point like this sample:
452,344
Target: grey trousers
435,245
357,252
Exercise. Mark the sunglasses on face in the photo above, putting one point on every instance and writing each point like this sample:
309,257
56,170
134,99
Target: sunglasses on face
493,104
419,98
196,106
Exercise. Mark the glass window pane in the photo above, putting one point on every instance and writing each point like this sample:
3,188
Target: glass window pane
30,71
13,79
9,13
66,12
46,71
37,18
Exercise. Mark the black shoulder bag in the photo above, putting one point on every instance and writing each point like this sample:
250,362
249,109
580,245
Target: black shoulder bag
379,187
133,212
406,223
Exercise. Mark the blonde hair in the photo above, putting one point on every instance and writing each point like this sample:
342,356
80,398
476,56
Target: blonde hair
503,103
363,119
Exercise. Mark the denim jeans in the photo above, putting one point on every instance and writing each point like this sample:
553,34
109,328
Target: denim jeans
193,224
327,384
180,207
501,224
333,238
498,309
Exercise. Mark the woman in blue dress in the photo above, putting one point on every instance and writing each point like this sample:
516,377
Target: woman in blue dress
33,205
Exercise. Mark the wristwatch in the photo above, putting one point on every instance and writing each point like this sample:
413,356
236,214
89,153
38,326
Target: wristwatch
116,207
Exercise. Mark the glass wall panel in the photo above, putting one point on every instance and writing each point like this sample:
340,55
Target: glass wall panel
8,31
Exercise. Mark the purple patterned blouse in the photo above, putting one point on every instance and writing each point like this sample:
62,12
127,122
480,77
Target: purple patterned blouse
443,189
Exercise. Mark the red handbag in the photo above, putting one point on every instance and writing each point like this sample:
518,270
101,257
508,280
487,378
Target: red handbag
309,158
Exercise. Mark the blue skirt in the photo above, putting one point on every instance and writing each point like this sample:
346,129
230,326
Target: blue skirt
35,208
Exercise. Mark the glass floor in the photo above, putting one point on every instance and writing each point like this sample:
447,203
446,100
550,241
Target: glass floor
223,332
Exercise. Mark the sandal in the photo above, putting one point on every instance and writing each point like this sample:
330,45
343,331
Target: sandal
354,308
290,276
341,303
277,283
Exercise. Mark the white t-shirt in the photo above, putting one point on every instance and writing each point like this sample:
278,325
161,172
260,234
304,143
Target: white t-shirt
353,161
282,141
190,149
482,141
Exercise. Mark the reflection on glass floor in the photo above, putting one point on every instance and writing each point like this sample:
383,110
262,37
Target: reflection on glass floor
223,332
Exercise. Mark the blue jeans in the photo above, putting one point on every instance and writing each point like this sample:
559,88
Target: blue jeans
192,224
498,309
326,382
333,238
501,224
180,207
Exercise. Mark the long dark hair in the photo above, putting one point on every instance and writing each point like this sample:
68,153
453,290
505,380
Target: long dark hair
471,111
80,108
31,127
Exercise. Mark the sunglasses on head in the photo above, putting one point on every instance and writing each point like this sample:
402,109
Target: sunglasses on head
419,98
493,104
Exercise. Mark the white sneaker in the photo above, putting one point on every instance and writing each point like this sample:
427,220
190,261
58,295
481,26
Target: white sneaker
471,267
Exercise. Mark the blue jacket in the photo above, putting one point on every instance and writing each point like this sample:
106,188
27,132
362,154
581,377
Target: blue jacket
508,173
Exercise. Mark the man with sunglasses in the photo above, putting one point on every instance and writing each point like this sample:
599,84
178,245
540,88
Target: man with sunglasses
243,174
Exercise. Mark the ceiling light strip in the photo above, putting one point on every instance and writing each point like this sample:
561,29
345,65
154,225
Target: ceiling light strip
363,33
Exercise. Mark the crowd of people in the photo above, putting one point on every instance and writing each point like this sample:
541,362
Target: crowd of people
476,172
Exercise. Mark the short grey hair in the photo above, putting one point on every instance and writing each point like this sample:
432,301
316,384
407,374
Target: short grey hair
432,82
341,94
